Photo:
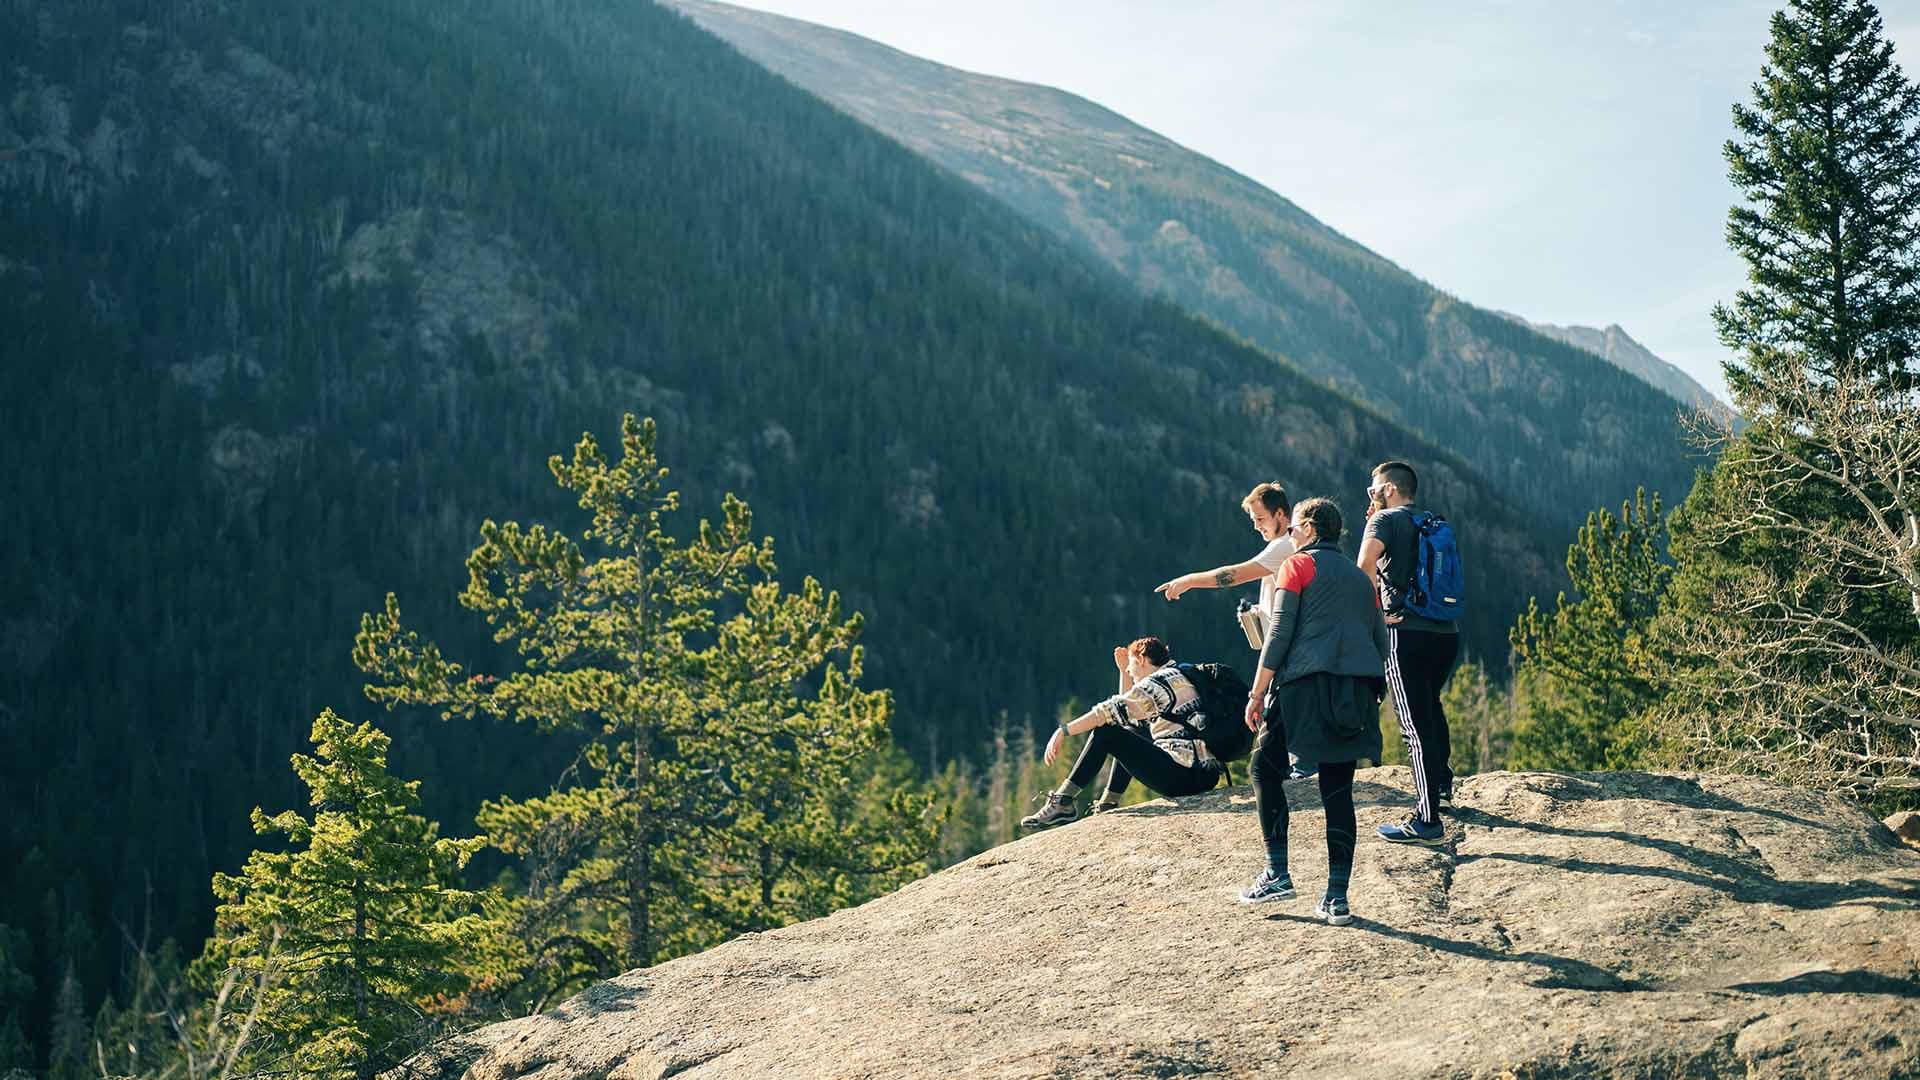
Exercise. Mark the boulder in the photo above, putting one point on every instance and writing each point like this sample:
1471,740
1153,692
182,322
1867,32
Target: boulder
1906,826
1604,924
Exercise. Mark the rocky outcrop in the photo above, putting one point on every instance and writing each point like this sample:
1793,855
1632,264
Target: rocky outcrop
1574,925
458,280
1906,826
1617,347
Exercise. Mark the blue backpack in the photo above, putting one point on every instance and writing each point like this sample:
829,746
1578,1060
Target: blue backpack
1439,587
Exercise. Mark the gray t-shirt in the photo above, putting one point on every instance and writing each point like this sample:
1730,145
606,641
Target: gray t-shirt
1398,535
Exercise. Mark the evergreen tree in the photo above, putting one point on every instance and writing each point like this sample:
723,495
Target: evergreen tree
1828,160
1793,624
67,1048
1583,667
352,933
132,1031
720,739
1480,715
16,990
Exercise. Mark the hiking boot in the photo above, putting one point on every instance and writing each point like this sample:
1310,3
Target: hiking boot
1334,910
1058,810
1103,806
1411,831
1268,887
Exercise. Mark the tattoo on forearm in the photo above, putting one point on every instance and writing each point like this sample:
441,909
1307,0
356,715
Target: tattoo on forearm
1223,578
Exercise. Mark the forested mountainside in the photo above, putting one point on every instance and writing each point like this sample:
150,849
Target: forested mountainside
1523,408
297,292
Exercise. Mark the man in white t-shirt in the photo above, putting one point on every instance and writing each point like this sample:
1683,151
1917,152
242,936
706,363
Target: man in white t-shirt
1267,507
1270,512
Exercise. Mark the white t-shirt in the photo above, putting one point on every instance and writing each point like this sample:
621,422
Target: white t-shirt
1273,556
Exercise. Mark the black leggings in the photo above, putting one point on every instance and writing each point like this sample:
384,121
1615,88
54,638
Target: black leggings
1135,755
1270,768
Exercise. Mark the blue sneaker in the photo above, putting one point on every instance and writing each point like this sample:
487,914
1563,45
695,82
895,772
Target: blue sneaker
1268,887
1411,831
1334,910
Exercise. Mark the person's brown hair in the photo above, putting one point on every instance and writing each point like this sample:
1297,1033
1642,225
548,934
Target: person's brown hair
1323,516
1400,475
1269,495
1152,650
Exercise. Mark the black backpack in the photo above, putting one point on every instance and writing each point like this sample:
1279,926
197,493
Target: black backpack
1220,721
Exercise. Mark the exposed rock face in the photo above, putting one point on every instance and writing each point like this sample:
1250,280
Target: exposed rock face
1615,346
1588,925
463,281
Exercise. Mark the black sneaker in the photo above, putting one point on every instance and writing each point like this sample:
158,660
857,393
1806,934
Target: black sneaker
1104,806
1057,810
1334,910
1268,887
1444,800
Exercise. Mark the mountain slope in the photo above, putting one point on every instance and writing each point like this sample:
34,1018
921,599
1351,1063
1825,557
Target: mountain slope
298,292
1523,408
1599,925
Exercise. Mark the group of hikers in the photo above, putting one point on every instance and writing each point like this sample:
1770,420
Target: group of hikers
1335,637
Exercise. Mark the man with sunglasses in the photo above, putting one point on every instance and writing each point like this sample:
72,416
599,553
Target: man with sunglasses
1420,651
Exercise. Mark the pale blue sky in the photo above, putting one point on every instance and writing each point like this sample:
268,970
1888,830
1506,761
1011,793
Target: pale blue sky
1558,160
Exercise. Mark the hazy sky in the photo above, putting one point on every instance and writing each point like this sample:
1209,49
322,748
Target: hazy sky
1560,160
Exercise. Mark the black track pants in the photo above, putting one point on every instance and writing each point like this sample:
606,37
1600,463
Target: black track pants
1418,663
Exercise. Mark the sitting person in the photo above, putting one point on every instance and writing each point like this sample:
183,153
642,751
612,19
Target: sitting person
1144,729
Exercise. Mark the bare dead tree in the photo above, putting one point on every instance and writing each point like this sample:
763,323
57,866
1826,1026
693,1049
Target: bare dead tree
1802,674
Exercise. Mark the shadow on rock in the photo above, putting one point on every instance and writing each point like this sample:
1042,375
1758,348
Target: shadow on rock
1835,982
1562,972
599,999
1679,790
1734,877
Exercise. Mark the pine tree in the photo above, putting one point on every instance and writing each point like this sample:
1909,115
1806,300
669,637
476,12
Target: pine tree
67,1048
1793,626
16,990
720,741
1584,667
348,936
1828,159
1480,715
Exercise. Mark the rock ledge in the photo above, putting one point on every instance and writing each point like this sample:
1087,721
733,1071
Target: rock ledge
1604,924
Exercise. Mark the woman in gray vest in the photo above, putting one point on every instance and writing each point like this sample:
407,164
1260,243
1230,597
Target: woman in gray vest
1317,694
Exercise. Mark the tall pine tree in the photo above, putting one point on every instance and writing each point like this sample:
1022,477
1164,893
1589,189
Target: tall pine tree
1828,159
1793,621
